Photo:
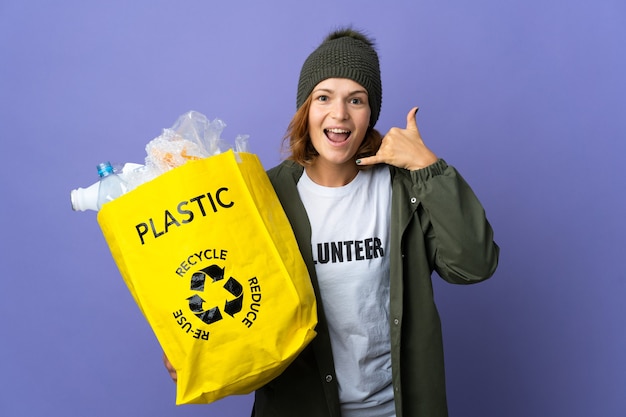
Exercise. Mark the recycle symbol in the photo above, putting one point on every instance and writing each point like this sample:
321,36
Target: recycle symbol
232,287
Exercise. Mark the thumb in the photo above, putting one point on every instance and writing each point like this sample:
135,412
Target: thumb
410,118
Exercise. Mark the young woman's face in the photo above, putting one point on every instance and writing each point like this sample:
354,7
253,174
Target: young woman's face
338,120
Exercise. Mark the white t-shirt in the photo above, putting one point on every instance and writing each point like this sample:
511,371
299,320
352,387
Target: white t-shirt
350,241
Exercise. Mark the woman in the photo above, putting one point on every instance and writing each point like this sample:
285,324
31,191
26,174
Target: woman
374,217
371,239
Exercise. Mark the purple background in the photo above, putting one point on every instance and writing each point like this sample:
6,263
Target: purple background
526,98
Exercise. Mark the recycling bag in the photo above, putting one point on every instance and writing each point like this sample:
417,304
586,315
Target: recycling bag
210,258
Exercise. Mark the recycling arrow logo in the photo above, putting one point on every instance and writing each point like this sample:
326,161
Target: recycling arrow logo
233,289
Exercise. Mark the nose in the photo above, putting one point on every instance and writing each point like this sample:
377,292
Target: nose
340,110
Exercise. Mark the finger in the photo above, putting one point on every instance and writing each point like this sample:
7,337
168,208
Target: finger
170,368
369,160
410,118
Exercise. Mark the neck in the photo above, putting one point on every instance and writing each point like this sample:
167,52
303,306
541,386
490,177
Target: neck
331,175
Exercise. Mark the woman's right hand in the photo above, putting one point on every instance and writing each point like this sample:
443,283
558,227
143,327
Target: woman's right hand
170,368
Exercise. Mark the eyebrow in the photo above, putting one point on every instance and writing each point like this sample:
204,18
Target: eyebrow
351,93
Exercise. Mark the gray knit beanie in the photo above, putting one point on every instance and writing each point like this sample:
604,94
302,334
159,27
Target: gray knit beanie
345,53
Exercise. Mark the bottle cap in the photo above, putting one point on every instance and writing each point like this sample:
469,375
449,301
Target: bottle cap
104,169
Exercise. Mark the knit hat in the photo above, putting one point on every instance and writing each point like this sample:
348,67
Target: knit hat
344,53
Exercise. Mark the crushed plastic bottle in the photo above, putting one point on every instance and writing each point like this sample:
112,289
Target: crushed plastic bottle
84,199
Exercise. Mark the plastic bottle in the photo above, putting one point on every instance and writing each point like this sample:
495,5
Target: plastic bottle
111,185
84,199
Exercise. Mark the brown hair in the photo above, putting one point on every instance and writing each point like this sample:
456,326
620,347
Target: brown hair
297,143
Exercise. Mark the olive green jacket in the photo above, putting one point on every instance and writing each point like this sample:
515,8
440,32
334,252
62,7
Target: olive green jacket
437,224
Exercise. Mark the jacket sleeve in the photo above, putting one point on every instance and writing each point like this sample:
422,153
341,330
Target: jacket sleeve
458,235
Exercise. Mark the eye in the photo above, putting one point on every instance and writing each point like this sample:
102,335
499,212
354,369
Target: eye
356,100
322,98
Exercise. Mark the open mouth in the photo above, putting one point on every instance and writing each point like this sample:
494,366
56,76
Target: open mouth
337,135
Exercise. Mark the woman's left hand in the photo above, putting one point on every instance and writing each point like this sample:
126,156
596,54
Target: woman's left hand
403,148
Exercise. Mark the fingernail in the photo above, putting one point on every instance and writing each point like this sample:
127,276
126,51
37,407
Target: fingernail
358,162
